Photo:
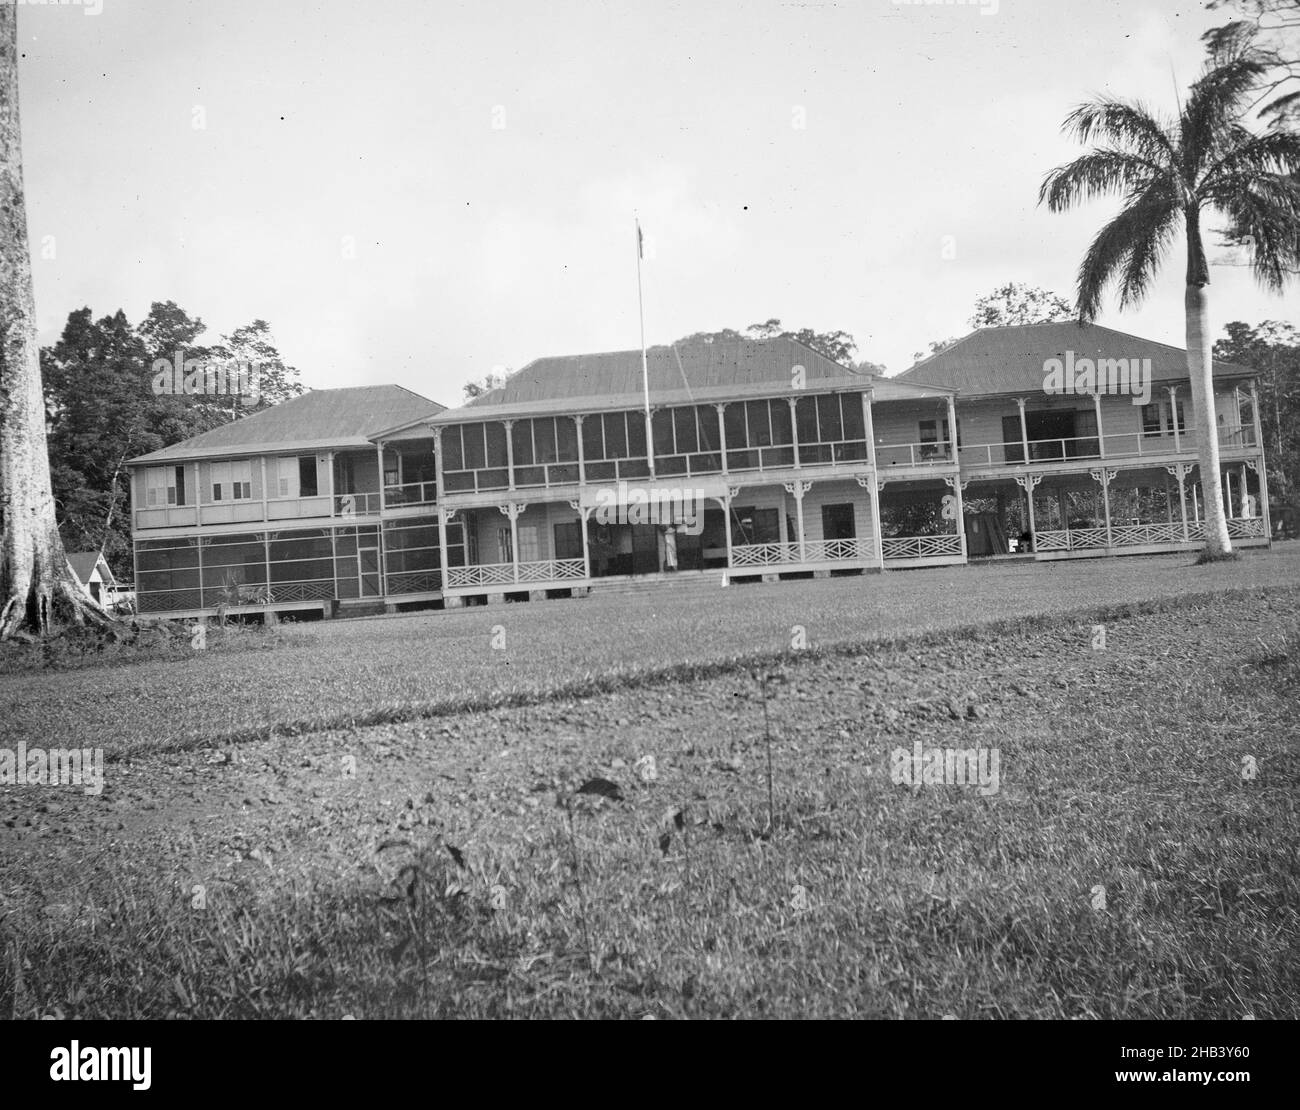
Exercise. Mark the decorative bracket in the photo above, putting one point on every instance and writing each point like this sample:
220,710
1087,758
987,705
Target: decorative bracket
953,481
1027,482
1179,471
797,489
512,509
1252,464
733,492
1103,476
448,515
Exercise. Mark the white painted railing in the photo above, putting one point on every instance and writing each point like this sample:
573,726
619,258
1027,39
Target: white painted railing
414,582
1140,535
835,551
552,570
485,574
921,547
1243,528
320,589
503,574
810,551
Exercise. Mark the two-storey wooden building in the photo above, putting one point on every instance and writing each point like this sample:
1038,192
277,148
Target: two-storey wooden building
757,459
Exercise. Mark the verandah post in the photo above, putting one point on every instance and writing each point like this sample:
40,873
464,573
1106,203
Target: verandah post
869,424
443,519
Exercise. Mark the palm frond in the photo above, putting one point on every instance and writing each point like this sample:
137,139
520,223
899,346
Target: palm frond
1130,248
1100,173
1125,125
1216,103
1277,152
1266,211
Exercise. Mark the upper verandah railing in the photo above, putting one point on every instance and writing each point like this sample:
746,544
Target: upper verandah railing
1057,449
771,457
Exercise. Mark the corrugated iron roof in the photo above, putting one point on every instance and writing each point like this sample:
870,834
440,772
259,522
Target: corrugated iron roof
698,372
1010,359
737,364
316,420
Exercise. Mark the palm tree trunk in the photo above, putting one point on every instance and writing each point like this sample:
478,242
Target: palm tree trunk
1200,368
34,571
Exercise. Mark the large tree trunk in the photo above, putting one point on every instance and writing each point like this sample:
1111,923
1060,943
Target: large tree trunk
34,572
1200,368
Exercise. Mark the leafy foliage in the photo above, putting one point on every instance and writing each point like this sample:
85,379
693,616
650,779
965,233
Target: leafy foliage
1273,350
1017,303
102,410
838,346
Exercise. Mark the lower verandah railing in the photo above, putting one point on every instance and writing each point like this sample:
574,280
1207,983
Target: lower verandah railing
503,574
921,547
810,551
1140,535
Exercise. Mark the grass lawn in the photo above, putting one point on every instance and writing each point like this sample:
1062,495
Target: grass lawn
1140,857
307,677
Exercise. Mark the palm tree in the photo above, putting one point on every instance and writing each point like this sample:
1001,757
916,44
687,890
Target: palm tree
1173,174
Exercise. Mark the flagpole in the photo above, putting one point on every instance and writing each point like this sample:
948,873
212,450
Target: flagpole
645,365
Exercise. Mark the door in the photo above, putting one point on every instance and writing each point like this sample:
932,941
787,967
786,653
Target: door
838,523
368,569
568,540
645,548
1050,435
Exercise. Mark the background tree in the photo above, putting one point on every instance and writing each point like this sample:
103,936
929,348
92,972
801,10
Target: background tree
37,590
1017,303
1172,175
98,416
167,331
1273,349
277,382
838,346
495,380
1272,29
936,345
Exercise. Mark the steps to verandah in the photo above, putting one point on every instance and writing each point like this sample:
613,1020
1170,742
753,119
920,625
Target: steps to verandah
698,580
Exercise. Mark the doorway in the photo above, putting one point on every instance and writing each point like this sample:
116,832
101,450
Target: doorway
368,569
838,522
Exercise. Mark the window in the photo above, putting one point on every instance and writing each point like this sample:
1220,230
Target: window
931,445
831,428
929,439
286,476
613,435
232,481
1152,419
307,476
164,485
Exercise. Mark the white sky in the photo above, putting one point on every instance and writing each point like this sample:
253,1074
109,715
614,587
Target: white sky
479,246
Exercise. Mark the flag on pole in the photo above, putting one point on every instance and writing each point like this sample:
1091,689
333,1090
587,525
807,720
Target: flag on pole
640,242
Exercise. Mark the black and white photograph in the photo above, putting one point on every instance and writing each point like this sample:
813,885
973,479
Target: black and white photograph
636,510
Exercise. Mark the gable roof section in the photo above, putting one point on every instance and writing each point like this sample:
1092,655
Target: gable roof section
1010,360
316,420
83,564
